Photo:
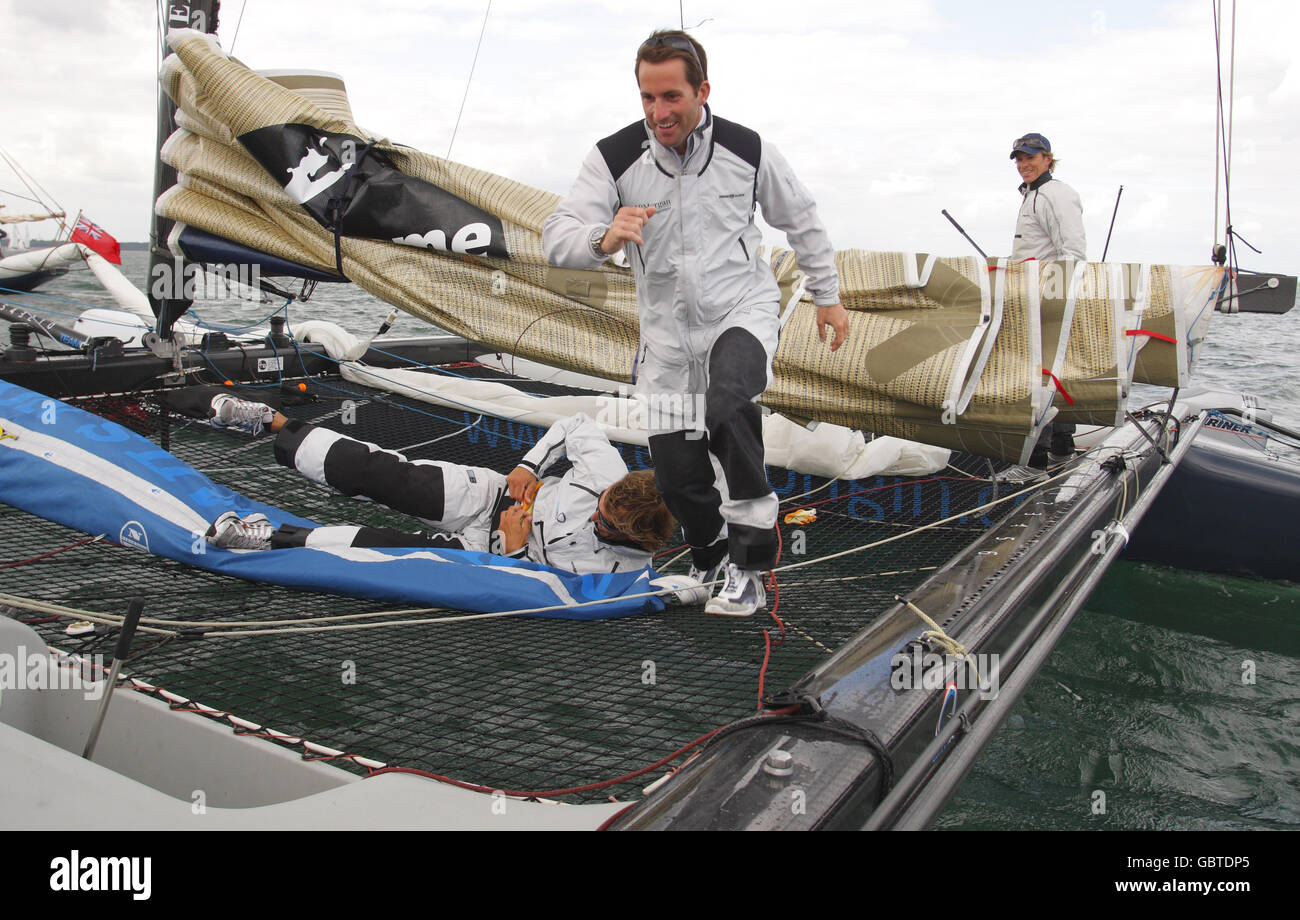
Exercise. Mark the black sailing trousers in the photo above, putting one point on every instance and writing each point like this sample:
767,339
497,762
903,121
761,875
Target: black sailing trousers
714,482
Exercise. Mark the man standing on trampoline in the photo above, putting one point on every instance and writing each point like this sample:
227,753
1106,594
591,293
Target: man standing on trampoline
677,192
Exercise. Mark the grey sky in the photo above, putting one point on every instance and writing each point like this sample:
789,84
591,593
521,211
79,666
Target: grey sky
888,111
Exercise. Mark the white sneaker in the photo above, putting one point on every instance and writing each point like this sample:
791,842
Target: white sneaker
230,531
685,590
241,414
1021,475
709,578
741,596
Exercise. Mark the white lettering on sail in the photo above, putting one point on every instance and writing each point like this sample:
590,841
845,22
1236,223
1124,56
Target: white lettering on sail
302,187
471,237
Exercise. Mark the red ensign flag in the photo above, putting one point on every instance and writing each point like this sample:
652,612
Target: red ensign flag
98,239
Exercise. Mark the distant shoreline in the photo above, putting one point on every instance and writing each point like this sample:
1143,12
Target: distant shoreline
33,244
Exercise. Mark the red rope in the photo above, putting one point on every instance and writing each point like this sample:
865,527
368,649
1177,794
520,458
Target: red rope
762,672
776,604
669,550
1154,335
1068,400
53,552
550,793
608,822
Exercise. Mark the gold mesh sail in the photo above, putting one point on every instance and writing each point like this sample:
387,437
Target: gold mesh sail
948,351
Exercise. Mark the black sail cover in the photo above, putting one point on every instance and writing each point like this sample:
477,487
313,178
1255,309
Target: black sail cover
352,188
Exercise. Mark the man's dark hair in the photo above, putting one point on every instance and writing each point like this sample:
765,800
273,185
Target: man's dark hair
666,44
638,511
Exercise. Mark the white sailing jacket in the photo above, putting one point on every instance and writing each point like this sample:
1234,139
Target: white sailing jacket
698,272
563,533
1050,222
465,500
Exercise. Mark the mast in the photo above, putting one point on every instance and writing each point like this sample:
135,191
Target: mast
172,14
1222,242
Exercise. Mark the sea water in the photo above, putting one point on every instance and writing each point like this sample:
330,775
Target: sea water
1173,699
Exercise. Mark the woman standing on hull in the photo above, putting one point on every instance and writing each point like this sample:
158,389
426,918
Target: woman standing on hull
1049,227
1050,223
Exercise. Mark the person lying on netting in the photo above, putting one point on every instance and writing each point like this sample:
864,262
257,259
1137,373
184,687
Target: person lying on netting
596,518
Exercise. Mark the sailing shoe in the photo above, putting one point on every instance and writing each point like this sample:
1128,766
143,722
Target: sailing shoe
231,412
742,594
230,531
709,577
1062,447
1021,475
681,590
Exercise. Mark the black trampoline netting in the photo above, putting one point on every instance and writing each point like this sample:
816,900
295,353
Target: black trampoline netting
511,703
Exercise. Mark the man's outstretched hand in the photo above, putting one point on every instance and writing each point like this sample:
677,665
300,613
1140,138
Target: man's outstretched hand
837,318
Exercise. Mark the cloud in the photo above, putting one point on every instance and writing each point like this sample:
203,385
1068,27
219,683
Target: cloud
888,112
895,184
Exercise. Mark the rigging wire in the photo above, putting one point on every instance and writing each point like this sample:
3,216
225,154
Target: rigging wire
472,65
28,180
238,23
21,197
1223,128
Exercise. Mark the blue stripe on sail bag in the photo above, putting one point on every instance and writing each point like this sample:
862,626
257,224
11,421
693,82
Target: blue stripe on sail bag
69,466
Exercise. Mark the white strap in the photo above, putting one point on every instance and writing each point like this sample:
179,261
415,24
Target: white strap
801,280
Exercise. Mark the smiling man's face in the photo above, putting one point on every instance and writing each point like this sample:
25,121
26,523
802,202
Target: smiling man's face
1032,166
672,106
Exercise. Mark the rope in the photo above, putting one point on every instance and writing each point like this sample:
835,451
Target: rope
53,552
1147,332
924,527
1069,400
767,635
239,628
936,635
603,784
24,177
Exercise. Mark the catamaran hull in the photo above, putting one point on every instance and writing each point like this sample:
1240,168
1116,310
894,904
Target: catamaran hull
31,280
1226,511
867,747
156,768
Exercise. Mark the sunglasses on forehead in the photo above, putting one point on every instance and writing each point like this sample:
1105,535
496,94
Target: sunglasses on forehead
1031,142
606,524
680,42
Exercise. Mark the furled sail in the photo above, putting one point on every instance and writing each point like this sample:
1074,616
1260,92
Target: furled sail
7,218
947,351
